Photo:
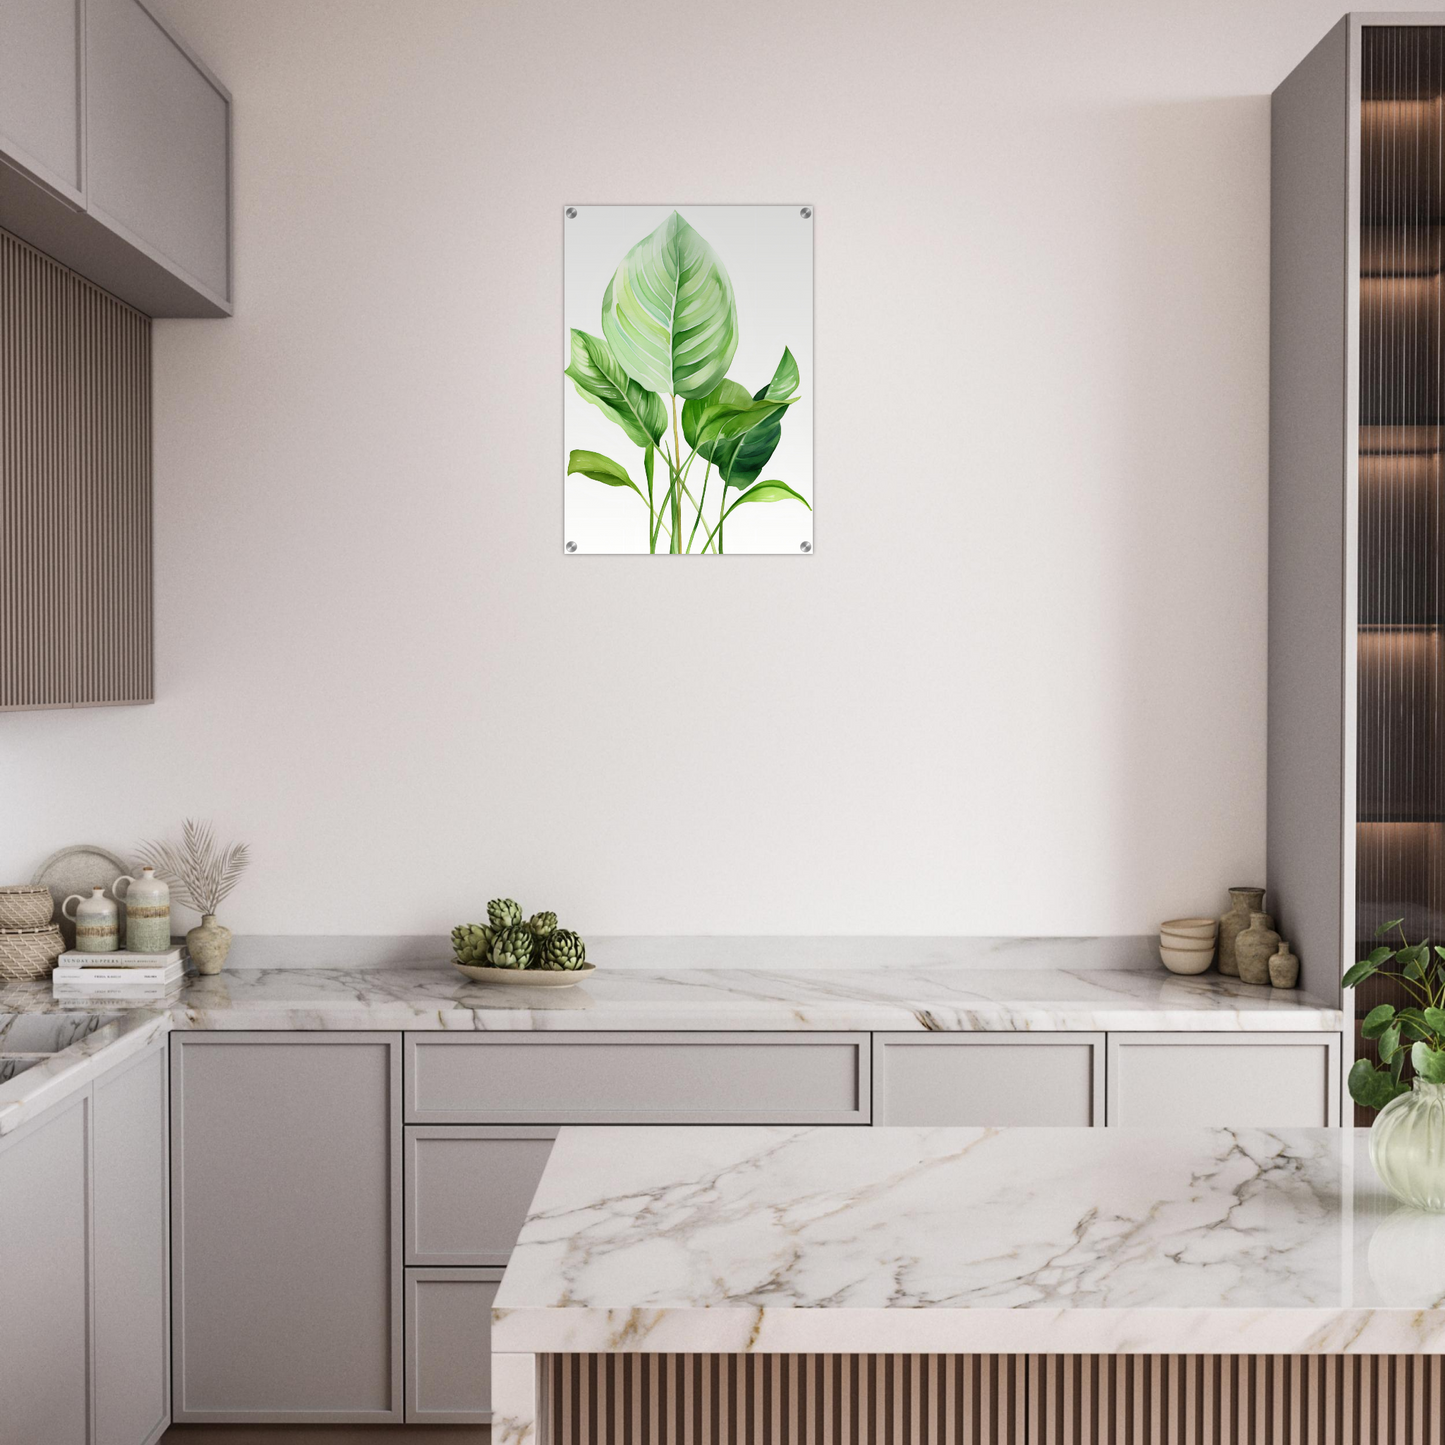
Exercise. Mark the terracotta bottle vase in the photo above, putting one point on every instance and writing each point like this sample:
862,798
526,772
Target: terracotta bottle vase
1284,967
1254,948
1242,903
209,943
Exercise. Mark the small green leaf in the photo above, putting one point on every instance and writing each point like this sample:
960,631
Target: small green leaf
1440,951
768,492
784,385
601,469
1412,1022
1370,1087
1390,1043
1375,1022
1384,928
1429,1063
1362,970
1397,1065
1411,966
599,379
1435,1020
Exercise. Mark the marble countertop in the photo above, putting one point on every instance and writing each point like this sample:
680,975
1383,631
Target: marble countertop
970,1240
940,998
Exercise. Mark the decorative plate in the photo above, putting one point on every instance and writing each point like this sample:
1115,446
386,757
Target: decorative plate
78,870
536,977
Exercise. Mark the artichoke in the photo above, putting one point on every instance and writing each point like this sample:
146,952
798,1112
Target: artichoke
542,924
472,944
504,912
564,949
514,947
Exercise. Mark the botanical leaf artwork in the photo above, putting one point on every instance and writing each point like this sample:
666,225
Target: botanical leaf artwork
659,371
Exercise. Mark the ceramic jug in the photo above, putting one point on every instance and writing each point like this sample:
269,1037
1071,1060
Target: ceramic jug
1242,903
147,912
96,920
1254,948
1284,967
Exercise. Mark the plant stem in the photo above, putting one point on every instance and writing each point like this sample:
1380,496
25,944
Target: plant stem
676,500
707,472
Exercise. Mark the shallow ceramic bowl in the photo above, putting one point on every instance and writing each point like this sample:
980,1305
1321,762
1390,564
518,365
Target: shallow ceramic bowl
1191,927
1185,960
1182,940
26,905
535,977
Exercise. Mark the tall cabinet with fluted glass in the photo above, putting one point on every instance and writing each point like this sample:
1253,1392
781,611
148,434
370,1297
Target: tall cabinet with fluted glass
1357,527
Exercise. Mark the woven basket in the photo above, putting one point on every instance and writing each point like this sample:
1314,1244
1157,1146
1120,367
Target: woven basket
29,953
26,905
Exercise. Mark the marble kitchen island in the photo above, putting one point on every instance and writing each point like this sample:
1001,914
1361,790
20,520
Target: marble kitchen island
930,1244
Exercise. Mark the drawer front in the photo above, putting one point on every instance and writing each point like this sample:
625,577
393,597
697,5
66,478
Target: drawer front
468,1189
989,1079
1269,1081
448,1345
619,1078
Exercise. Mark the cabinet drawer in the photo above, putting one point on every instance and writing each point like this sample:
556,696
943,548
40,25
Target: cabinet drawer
1268,1081
468,1189
448,1345
620,1078
989,1079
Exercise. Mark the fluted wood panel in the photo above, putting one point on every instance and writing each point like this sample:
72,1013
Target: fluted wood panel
639,1399
75,489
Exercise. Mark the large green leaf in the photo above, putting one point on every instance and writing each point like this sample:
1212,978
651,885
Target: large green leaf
1373,1088
768,492
1429,1063
669,313
739,433
600,380
1377,1020
601,469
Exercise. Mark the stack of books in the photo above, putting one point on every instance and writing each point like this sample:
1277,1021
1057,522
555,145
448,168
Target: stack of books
130,976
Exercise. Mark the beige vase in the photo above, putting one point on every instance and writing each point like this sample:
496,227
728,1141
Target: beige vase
1284,967
1242,903
1254,948
209,944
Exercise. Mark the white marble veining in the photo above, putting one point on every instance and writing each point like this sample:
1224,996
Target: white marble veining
946,999
1015,1240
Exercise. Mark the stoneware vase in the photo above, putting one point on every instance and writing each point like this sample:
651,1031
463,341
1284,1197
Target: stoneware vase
96,920
147,912
1242,903
1254,948
1284,967
1407,1147
209,944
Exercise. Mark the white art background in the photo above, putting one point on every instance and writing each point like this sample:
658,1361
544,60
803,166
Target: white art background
768,253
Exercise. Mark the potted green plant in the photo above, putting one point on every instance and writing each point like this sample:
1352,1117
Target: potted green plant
1407,1139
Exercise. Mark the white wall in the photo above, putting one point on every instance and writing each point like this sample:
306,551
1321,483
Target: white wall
1018,689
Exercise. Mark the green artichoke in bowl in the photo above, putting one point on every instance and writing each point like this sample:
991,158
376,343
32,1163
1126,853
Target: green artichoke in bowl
542,925
514,947
564,949
504,912
472,944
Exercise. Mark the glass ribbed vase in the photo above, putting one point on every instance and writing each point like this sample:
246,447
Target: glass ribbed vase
1407,1147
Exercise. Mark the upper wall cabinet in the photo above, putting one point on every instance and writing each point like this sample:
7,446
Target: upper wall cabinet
117,148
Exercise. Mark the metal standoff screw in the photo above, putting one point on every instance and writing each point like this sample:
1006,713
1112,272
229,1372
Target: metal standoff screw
571,213
571,546
806,212
805,546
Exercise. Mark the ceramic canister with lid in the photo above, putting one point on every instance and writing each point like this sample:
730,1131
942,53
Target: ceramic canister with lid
147,912
96,920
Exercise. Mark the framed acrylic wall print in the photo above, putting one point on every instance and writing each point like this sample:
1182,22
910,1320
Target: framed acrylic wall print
688,381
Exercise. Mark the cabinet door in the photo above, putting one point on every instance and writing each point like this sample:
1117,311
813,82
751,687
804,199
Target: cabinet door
41,92
286,1227
988,1079
158,143
1165,1081
44,1249
448,1349
132,1269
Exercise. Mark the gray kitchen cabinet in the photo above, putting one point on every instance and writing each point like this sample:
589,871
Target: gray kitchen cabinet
44,1251
1255,1080
468,1189
117,147
988,1079
286,1227
638,1078
130,1296
42,93
448,1350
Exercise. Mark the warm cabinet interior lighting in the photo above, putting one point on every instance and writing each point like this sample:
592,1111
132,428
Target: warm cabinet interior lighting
1393,441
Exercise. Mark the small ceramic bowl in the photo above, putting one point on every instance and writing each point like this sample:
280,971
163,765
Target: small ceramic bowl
26,905
1183,940
1191,927
1185,960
